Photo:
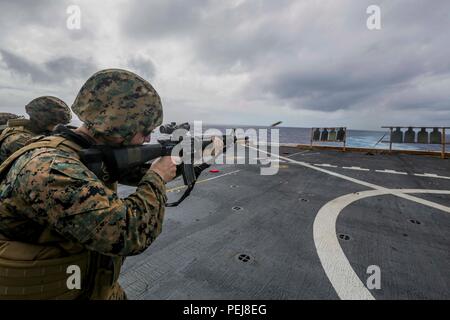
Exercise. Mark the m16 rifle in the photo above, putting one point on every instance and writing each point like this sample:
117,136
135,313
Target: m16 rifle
111,164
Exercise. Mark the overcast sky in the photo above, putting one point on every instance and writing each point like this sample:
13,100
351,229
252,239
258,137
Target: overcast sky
304,62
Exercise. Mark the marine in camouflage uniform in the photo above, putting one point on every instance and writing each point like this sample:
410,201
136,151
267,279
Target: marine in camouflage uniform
54,212
45,113
4,117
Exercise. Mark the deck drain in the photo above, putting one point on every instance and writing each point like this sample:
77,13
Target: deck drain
304,200
415,221
244,257
344,237
236,208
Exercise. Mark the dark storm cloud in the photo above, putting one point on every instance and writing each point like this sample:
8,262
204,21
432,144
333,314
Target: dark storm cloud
325,84
70,67
320,57
54,71
159,19
221,35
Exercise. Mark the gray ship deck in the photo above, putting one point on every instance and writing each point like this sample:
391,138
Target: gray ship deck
309,232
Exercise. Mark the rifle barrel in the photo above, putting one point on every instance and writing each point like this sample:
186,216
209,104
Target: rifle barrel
135,156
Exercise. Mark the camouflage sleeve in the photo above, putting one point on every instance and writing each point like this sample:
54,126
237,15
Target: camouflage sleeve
70,198
13,143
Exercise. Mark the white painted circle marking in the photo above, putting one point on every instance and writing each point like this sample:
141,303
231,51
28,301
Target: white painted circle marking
345,281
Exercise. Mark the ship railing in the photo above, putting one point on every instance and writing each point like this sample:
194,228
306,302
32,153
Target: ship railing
436,137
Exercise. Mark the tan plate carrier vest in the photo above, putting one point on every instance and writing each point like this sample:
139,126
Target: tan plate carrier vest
25,274
13,126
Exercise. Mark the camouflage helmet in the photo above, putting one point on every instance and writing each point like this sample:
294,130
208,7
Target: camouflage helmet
47,110
5,116
118,104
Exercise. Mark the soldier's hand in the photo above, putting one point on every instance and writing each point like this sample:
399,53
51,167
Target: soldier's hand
166,168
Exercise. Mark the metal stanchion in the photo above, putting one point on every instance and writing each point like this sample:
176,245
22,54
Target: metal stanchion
345,139
443,143
390,140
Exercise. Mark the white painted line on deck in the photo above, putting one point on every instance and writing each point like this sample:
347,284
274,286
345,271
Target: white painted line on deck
326,165
354,180
278,160
268,160
219,176
356,168
294,154
431,175
205,180
310,154
347,286
392,172
358,181
315,167
345,281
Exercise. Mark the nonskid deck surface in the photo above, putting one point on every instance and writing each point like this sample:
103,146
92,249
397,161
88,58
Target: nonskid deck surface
311,231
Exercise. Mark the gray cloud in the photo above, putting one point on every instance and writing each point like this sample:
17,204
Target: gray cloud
54,71
51,15
31,12
70,67
312,57
207,55
143,66
159,19
221,35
